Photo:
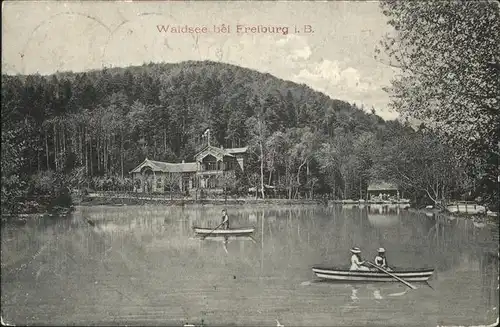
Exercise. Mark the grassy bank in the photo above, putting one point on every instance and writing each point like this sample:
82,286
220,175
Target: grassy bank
35,206
22,218
140,199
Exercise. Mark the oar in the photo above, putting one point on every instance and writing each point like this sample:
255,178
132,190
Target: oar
392,275
203,237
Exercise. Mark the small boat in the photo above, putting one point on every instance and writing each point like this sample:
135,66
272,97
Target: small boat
226,239
491,213
242,231
466,207
344,274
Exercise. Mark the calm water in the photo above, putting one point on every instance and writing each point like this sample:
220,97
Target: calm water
142,265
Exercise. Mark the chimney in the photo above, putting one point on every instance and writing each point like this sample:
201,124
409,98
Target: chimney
183,161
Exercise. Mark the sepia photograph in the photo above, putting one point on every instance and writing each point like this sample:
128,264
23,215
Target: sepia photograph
250,163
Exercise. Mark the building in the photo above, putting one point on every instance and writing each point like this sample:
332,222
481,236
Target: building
382,191
214,168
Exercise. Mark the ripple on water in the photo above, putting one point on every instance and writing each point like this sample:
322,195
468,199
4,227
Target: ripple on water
142,266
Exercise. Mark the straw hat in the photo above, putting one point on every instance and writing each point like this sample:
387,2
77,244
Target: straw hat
355,250
381,250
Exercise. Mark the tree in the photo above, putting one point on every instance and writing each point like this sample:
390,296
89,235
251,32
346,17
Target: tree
228,182
302,150
418,163
447,55
281,160
258,135
364,148
172,180
13,146
275,144
329,164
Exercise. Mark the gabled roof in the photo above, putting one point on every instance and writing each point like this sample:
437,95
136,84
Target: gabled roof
157,165
221,152
166,167
213,150
382,186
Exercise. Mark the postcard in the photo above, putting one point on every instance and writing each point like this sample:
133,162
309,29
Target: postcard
274,163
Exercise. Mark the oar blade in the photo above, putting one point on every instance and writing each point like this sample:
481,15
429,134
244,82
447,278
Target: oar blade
392,275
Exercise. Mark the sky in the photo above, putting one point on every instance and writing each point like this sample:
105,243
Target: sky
329,45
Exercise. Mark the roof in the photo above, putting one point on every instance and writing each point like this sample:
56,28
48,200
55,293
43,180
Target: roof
211,149
381,186
221,152
166,167
237,150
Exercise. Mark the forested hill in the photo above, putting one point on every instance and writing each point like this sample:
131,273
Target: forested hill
164,108
105,122
171,104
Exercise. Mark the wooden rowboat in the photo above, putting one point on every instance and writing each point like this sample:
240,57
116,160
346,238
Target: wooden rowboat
243,231
227,239
344,274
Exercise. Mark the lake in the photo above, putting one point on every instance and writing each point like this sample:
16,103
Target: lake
143,265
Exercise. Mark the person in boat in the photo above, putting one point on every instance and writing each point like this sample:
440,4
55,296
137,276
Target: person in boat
225,219
356,261
380,259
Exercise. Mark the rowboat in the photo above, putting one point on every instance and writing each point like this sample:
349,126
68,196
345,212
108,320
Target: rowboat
227,239
242,231
344,274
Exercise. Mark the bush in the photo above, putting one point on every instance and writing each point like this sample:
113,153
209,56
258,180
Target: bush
29,206
62,199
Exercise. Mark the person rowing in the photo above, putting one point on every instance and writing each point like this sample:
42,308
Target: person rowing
380,259
356,261
225,219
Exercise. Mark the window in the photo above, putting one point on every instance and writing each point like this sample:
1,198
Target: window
211,165
212,182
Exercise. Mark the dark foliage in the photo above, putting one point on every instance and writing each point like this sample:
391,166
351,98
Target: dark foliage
101,124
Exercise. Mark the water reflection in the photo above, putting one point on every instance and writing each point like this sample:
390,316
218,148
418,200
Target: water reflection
384,215
354,294
364,294
144,264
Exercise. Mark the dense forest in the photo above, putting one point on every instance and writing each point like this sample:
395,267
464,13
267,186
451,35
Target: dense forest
88,130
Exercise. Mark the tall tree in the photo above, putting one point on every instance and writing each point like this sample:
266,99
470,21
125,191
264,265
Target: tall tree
259,132
302,151
447,54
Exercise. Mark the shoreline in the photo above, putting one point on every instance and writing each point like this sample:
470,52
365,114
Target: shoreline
118,199
142,200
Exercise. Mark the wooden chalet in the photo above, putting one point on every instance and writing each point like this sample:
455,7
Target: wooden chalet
211,167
